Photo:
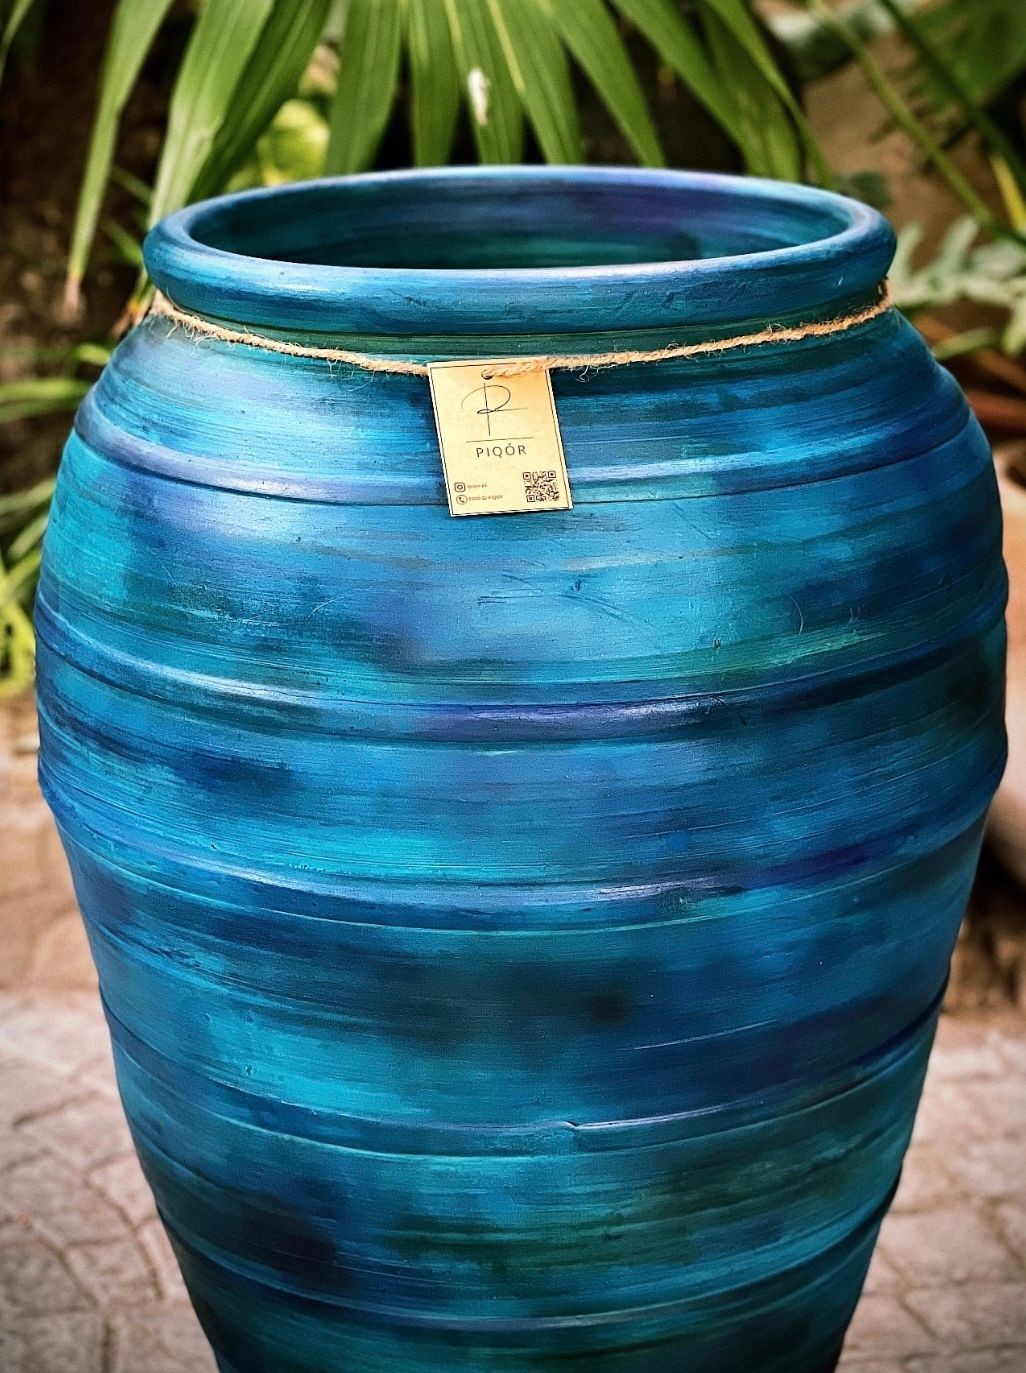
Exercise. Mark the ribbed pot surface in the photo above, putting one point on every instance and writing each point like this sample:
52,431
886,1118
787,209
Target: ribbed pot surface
522,937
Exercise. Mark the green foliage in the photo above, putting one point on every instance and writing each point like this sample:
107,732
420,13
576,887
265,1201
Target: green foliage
988,273
225,37
496,115
540,74
984,41
960,55
588,30
293,147
22,523
274,72
507,63
35,396
23,514
275,90
434,82
681,48
773,146
12,16
133,29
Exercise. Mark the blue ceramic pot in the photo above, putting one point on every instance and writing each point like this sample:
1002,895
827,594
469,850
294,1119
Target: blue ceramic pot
522,937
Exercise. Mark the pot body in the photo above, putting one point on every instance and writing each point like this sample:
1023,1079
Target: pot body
522,937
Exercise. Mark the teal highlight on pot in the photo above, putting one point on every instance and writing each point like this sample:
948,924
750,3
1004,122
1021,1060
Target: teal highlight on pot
522,937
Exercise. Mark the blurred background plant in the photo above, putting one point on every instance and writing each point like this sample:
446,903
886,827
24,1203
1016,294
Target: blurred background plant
196,96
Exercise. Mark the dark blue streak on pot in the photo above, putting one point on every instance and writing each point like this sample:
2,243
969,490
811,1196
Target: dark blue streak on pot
522,937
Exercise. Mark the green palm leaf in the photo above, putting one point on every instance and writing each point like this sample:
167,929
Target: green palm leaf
9,32
30,536
588,30
133,29
222,43
17,641
29,498
737,21
541,75
366,84
271,76
434,84
496,115
984,42
21,400
679,46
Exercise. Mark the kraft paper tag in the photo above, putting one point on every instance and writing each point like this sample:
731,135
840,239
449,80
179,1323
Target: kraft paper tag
499,436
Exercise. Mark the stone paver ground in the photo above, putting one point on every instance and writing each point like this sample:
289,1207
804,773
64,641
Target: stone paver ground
88,1283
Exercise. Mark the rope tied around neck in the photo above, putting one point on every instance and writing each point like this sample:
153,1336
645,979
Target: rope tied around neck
164,308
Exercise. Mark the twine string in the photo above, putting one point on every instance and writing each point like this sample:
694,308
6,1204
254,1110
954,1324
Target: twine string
552,362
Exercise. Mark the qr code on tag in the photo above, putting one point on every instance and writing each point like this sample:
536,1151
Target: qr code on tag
540,486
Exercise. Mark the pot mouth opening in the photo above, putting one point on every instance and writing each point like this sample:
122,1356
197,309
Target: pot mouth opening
465,224
433,250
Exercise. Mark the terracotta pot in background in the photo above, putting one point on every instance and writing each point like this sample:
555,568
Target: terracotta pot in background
1007,823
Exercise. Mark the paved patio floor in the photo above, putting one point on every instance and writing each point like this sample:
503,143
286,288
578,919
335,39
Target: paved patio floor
88,1284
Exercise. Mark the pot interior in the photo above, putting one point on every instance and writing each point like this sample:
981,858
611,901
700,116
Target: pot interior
480,222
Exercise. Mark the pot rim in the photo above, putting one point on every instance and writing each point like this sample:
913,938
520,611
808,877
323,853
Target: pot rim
842,251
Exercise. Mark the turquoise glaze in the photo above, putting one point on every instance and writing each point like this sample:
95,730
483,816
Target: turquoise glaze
522,937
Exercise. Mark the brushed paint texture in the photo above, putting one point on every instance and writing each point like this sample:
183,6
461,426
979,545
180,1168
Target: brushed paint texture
522,937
